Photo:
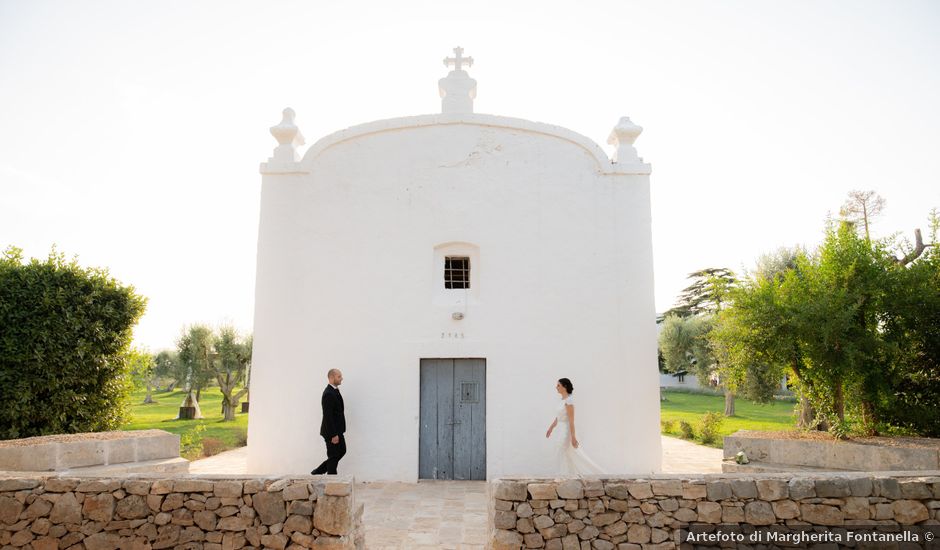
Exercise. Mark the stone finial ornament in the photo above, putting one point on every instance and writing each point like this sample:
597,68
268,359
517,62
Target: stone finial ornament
622,137
457,89
288,137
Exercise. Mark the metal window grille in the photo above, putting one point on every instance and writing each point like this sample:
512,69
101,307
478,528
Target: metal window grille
456,272
469,393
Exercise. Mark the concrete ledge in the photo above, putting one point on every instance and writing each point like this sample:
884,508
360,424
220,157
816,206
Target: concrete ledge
864,455
65,452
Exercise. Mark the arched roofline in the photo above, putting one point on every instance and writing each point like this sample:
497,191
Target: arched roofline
603,162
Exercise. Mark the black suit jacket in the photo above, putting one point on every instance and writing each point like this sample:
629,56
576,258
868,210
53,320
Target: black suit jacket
334,420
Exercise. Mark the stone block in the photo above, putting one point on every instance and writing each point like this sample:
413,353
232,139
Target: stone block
709,512
10,510
601,520
856,508
227,489
693,491
542,491
718,490
821,514
757,449
832,488
640,490
571,488
543,522
772,489
504,519
66,510
77,454
909,512
506,540
332,515
886,487
860,486
29,458
638,534
299,491
119,451
915,489
758,512
193,486
801,488
667,487
336,489
156,446
732,514
271,508
533,540
744,488
510,490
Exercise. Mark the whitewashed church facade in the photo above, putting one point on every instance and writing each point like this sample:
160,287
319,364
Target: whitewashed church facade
454,266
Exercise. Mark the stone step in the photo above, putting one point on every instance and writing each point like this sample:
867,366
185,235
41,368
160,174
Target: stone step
757,467
158,466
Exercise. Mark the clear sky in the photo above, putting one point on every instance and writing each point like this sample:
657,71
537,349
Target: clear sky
131,132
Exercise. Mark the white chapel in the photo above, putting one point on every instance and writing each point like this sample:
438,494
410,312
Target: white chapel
454,266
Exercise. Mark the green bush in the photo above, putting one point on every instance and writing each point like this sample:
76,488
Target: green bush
668,425
64,336
191,442
686,431
711,426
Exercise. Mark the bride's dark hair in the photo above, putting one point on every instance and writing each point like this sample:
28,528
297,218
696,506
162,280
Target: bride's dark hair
569,387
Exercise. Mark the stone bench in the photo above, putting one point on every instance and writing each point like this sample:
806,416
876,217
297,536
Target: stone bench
184,511
767,453
93,450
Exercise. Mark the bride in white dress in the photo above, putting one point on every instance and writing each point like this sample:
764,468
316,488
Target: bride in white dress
571,458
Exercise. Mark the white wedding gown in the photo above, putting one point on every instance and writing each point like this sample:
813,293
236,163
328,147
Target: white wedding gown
570,461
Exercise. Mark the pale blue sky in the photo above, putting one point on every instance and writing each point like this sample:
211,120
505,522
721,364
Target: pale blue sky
131,132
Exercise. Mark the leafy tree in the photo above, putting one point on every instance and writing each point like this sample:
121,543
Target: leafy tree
230,366
862,207
142,368
705,297
65,332
193,348
168,366
856,326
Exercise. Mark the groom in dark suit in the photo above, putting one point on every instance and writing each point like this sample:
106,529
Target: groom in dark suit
333,425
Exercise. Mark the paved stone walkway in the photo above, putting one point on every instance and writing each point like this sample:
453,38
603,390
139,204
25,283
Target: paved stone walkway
445,514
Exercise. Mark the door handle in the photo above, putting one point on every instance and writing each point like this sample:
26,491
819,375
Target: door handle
452,423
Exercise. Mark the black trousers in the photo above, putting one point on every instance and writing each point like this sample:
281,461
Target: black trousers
334,452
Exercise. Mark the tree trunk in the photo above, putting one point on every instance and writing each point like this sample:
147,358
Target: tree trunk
807,418
869,418
149,397
838,401
729,402
198,394
228,409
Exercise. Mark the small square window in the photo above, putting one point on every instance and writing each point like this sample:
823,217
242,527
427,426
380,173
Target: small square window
457,272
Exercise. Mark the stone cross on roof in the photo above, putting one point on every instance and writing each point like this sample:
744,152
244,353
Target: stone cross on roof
457,90
458,59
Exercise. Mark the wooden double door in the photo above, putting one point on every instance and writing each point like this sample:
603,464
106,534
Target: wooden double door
452,442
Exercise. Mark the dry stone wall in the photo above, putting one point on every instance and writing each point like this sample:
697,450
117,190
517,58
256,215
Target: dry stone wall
657,512
188,512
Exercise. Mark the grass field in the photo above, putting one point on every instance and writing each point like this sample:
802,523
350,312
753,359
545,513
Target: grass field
748,415
217,434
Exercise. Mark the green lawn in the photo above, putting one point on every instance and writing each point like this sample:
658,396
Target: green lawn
163,412
690,407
